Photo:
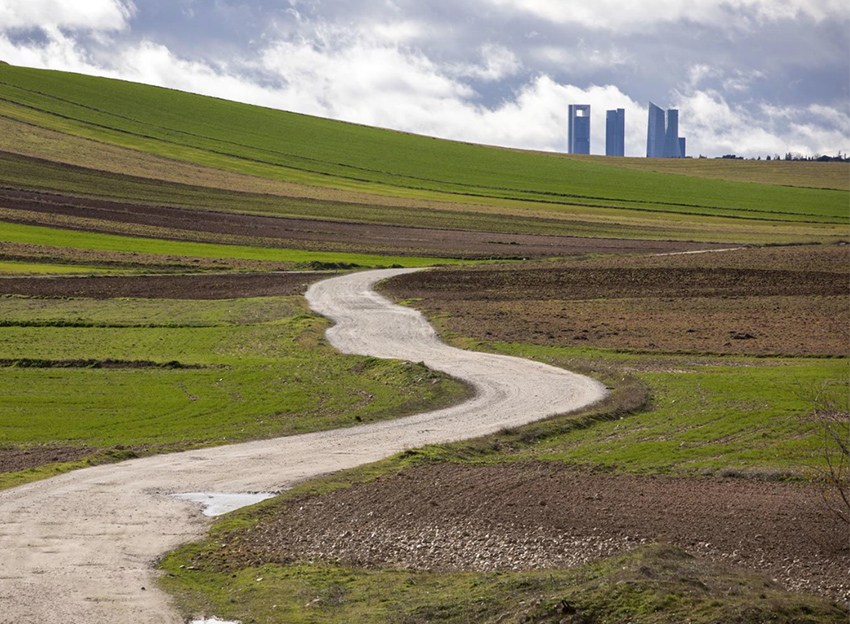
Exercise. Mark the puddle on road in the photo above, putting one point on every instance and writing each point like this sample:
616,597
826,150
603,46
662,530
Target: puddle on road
218,503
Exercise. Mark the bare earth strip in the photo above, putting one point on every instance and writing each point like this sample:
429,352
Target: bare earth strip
80,548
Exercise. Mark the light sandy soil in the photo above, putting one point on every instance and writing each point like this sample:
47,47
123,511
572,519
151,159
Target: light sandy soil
81,548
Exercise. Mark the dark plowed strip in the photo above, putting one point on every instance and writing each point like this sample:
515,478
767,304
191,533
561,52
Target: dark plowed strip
34,363
562,283
13,460
313,233
202,286
537,515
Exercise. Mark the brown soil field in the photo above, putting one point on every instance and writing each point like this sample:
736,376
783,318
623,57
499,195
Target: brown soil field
196,286
538,515
13,460
726,302
320,235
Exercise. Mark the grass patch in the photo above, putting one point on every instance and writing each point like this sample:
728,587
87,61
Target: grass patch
247,369
38,268
677,414
73,239
781,172
652,585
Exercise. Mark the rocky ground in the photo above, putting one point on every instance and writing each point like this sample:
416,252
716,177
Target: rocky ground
536,515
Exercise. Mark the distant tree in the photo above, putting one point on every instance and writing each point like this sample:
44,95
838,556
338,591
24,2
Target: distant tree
768,157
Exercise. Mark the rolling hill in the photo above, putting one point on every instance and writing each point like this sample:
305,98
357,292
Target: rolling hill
78,135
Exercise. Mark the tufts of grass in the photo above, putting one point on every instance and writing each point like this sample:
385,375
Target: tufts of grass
651,585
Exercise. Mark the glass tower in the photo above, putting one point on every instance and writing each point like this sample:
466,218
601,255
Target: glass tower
656,132
671,141
615,132
662,134
579,129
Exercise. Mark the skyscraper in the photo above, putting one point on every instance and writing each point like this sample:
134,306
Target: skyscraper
683,152
579,129
615,132
656,132
662,134
671,140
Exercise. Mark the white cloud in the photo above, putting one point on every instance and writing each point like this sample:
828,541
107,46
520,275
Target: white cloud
582,60
700,72
96,15
636,15
347,74
404,31
739,81
714,127
497,63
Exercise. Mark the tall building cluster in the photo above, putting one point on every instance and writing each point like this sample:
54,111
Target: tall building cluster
662,136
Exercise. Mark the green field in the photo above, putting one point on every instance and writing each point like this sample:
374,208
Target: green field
72,239
702,414
296,148
38,268
121,378
161,375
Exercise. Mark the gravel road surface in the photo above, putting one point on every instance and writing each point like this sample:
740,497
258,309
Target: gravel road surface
80,548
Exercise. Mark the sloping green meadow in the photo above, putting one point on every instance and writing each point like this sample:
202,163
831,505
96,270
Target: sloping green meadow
321,152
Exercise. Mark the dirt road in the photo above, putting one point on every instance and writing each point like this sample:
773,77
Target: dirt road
80,548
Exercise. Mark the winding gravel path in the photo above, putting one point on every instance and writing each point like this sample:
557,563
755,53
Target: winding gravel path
79,548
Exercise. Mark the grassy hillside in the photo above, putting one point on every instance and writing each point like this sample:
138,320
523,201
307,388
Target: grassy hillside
825,175
284,146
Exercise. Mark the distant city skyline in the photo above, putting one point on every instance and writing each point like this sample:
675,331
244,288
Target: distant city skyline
662,132
753,78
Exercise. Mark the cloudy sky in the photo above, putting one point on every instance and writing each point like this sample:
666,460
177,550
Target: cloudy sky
753,77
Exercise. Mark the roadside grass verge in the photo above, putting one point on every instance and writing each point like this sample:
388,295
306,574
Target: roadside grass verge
651,585
195,373
73,239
